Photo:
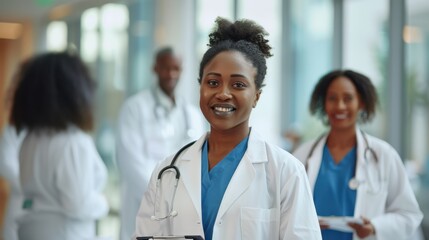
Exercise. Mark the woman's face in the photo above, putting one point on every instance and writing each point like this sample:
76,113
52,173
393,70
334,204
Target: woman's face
342,103
228,91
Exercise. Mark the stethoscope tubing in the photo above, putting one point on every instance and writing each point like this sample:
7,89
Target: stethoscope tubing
173,162
354,182
158,114
173,168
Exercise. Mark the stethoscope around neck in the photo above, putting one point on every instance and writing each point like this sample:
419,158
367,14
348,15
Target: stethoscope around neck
160,113
175,170
354,183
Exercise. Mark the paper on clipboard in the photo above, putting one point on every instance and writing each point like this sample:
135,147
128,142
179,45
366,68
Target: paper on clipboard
340,223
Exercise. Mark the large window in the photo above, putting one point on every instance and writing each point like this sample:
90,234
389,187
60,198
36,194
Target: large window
311,24
104,46
416,37
206,13
269,104
56,36
366,50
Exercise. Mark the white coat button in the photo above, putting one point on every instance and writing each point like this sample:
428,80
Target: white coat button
198,222
220,222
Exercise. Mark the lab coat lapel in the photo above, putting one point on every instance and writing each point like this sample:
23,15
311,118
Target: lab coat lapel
190,169
313,163
244,174
360,172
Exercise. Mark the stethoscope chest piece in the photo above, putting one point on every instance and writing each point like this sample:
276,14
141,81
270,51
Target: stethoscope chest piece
170,212
353,184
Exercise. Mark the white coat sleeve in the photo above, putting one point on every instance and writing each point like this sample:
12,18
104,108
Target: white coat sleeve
80,178
10,143
298,218
402,213
132,159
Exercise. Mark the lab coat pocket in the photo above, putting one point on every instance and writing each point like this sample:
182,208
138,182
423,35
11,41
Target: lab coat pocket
259,223
373,203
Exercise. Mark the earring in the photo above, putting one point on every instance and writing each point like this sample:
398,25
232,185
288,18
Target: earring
363,115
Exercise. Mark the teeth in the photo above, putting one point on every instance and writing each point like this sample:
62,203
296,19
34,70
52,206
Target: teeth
223,109
341,116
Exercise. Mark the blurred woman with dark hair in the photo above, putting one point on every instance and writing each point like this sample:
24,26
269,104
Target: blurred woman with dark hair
62,175
353,174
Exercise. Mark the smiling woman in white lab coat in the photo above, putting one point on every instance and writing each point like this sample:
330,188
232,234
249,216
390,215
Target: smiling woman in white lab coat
352,173
232,183
62,175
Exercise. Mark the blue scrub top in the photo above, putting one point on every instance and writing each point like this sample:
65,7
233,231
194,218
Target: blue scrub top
332,195
215,182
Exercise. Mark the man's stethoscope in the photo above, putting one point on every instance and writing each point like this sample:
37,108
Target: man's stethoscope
174,169
168,129
354,183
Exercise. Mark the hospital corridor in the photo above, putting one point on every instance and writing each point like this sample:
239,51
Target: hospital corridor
98,96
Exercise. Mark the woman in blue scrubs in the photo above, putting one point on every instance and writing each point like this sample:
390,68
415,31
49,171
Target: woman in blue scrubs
233,184
353,174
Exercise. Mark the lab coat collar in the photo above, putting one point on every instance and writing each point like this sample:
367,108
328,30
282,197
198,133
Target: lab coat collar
256,144
163,100
245,172
240,181
314,161
360,171
361,146
190,168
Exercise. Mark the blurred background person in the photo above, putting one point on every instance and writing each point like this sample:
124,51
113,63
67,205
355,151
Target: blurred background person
10,142
62,175
4,196
152,124
353,173
4,185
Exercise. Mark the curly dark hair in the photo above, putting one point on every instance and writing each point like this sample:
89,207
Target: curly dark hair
244,36
53,91
364,87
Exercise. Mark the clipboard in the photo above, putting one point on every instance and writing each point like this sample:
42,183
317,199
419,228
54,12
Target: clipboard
195,237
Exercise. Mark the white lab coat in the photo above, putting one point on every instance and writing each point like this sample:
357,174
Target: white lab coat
390,203
63,176
10,142
150,128
268,197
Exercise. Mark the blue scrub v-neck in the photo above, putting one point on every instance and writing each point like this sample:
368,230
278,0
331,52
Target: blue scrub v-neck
215,182
332,195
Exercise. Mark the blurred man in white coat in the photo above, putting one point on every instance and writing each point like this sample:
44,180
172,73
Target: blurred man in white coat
152,124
